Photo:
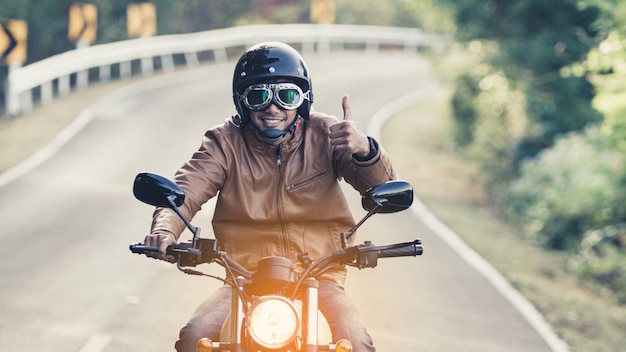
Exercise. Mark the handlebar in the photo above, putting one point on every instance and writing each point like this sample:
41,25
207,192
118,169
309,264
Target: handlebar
362,256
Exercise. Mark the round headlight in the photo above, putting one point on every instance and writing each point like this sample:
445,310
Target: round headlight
272,321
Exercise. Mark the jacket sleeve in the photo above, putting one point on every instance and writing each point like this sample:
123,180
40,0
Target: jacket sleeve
201,177
363,175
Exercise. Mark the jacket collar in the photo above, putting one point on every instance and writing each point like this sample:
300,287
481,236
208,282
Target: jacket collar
290,142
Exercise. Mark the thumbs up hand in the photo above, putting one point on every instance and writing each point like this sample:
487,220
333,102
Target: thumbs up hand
346,136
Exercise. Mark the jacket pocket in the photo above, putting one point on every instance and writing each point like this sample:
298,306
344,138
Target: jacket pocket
306,181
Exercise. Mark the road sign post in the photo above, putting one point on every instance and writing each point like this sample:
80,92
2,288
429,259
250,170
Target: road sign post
13,37
83,25
141,19
13,34
141,22
322,11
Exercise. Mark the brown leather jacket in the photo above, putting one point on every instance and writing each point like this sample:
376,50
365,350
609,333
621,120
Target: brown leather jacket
281,202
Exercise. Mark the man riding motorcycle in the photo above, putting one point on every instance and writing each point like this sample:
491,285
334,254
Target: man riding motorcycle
275,169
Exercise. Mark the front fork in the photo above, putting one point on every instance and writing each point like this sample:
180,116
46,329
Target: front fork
237,317
309,315
310,331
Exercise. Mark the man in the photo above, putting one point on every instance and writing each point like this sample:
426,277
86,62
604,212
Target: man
275,168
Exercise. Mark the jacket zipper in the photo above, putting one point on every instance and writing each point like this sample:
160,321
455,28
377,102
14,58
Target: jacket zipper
284,235
305,181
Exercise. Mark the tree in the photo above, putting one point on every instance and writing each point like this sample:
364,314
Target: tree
537,39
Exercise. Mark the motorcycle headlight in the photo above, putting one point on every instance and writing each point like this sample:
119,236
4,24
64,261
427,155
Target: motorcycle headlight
272,321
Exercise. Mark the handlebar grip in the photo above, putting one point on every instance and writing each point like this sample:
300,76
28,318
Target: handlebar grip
184,252
139,248
411,249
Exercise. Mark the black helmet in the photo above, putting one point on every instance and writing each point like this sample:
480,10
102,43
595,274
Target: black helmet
266,61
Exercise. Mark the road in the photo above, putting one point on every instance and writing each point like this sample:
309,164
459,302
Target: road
69,283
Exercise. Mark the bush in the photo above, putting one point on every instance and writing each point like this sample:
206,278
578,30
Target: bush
499,125
567,190
465,92
602,259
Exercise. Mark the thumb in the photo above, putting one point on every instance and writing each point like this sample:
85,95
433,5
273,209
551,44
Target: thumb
345,104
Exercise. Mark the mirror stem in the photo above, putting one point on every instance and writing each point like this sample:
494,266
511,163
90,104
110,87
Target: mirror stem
345,236
194,229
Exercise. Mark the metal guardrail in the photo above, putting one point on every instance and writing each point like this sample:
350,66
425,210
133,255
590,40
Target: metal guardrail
57,75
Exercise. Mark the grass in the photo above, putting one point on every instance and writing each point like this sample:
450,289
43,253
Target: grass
419,142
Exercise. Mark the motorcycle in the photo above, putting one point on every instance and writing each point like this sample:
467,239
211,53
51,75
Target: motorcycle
275,308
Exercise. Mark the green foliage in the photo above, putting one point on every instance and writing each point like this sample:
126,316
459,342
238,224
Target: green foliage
489,116
430,15
500,124
464,111
553,152
611,86
602,259
536,40
557,107
538,35
568,190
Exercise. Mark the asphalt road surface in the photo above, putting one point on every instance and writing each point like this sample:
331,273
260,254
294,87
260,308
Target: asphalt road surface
69,283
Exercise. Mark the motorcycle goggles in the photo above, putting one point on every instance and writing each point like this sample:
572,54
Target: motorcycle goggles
287,96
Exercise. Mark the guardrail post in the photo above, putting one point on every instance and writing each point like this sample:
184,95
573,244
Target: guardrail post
371,47
12,103
47,94
167,63
308,47
191,58
323,46
104,72
410,48
220,54
125,69
26,101
11,97
147,66
82,77
64,85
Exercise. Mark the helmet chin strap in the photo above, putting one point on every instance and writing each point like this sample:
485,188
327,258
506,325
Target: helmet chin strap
273,135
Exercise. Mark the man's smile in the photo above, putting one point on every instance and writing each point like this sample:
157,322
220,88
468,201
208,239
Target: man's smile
271,121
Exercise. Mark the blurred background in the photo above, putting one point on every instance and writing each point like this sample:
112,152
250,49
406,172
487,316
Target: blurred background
535,94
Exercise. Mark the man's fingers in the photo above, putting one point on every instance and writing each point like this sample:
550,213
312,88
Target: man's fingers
345,104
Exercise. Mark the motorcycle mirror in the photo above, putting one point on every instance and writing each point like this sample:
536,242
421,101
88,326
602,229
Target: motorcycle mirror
157,190
389,197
